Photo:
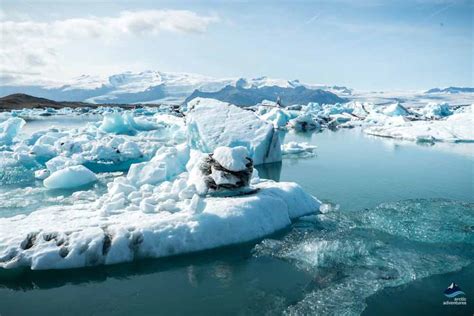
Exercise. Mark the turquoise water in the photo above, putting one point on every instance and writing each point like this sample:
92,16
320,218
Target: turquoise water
399,230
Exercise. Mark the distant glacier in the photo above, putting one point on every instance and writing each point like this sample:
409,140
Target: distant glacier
175,88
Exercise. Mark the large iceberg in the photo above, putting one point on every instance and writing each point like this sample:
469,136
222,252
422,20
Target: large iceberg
213,123
144,214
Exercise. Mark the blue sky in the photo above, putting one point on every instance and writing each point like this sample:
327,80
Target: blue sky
369,44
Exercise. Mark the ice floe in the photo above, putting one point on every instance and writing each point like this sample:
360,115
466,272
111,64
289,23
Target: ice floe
458,127
298,149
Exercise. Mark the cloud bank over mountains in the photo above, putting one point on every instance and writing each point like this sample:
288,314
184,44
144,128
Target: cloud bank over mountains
29,47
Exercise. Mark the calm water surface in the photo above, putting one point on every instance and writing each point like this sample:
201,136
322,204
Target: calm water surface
399,230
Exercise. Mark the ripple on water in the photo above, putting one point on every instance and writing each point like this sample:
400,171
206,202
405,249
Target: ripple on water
353,255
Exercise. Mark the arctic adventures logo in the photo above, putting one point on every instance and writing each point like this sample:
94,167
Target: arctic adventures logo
452,292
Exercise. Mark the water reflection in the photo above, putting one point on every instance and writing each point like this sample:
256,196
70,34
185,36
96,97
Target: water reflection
216,264
270,171
465,149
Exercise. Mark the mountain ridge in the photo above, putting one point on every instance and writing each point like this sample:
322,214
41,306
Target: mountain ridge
157,87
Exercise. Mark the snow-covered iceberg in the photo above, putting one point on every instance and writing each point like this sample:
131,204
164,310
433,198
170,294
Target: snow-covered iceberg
213,123
78,236
138,218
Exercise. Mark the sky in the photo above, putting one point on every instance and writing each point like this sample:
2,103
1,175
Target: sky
366,45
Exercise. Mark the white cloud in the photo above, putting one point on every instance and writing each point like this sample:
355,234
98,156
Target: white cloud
31,46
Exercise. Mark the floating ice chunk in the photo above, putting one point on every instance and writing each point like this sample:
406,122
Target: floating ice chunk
127,123
116,123
44,152
294,148
70,177
9,129
234,159
456,128
436,110
304,122
395,109
212,124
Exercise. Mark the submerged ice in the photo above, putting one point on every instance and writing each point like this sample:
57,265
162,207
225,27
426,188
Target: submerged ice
387,246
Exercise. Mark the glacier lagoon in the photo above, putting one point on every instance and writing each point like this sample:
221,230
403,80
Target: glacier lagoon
398,218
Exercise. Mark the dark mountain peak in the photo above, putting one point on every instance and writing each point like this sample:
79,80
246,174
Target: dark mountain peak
21,101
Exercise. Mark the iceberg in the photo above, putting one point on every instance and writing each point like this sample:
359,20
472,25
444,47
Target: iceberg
151,221
9,129
455,128
436,110
298,149
395,109
118,123
69,178
150,215
213,123
304,122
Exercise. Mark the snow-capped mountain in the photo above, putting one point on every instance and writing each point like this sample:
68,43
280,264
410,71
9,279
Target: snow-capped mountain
168,87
